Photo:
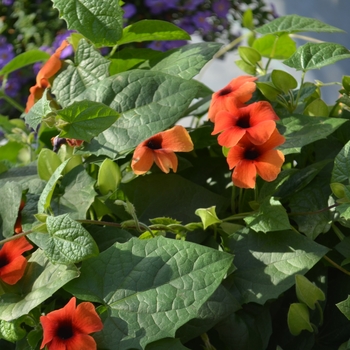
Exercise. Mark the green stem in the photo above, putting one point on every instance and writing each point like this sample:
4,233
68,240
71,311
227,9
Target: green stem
11,101
16,236
114,49
299,91
334,264
313,212
337,232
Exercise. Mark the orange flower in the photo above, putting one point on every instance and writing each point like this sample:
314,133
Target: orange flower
69,328
12,262
248,160
49,69
160,149
239,91
255,120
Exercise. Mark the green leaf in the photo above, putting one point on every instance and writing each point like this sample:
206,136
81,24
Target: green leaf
316,55
89,68
79,194
67,242
186,61
48,162
10,194
271,217
99,21
249,55
109,177
277,47
344,307
41,280
155,102
166,343
150,30
267,262
317,108
86,119
246,67
301,130
208,216
181,276
24,59
11,331
341,169
295,24
46,195
40,110
248,21
299,319
283,80
307,292
268,90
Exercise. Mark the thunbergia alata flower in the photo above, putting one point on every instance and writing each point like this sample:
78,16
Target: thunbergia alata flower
12,262
239,91
49,69
69,328
248,159
160,149
256,120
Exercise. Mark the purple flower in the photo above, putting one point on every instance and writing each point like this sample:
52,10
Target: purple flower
191,5
8,2
6,53
186,24
158,6
201,20
129,10
166,45
13,85
58,40
221,8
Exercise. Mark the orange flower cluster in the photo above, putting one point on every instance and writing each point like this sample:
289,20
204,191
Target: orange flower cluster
248,130
160,149
49,69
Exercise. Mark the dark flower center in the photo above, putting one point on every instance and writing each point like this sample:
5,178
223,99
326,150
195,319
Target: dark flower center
154,143
225,91
243,122
65,331
3,261
251,154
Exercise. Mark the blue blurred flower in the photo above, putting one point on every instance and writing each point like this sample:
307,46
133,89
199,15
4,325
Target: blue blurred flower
129,10
221,8
13,85
8,2
191,5
6,52
186,24
158,6
201,20
68,51
166,45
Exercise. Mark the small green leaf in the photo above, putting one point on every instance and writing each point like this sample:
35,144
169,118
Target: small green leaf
109,177
277,47
298,319
24,59
295,24
307,292
248,19
12,330
48,162
317,108
86,119
316,55
249,55
268,90
271,216
208,216
66,242
344,307
99,21
341,169
246,67
150,30
283,80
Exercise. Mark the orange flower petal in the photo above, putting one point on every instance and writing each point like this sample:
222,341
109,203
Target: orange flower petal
276,139
244,174
260,111
235,155
261,132
14,248
230,138
78,342
12,272
86,319
142,160
225,120
166,160
177,139
269,164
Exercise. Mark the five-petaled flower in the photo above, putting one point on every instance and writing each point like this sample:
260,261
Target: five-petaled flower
160,149
256,121
69,328
238,91
12,262
248,159
49,69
